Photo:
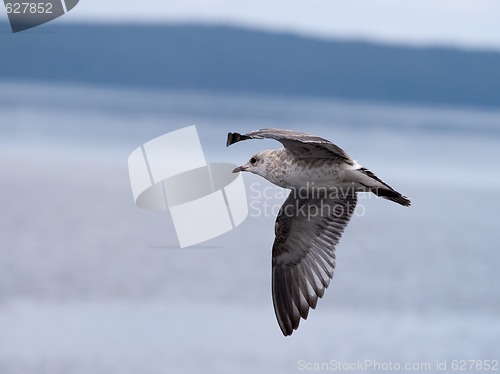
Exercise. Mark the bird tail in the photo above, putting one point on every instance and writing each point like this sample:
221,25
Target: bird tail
381,189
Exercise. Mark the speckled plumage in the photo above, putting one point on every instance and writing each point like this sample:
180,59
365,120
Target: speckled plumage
289,171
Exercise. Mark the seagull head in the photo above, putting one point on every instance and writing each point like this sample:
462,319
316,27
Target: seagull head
257,164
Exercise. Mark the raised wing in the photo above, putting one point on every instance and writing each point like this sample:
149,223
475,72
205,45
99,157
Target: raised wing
307,231
301,144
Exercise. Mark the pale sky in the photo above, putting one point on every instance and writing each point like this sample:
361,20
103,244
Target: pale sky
466,23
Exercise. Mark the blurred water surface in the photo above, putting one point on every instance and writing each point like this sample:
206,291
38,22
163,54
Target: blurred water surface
91,284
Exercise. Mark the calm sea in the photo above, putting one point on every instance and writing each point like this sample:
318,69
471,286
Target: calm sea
91,284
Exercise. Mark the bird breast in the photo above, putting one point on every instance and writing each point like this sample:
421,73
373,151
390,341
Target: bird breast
288,171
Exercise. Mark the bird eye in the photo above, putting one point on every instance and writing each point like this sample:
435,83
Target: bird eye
253,160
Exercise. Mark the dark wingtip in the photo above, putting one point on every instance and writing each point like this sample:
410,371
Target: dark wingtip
234,137
287,333
406,202
392,195
231,138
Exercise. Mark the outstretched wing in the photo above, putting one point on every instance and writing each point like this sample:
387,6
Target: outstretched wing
307,231
301,144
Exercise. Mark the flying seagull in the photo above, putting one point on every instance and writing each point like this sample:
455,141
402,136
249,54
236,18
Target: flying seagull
324,182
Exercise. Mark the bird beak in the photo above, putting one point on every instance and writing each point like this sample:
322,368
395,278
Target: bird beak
245,167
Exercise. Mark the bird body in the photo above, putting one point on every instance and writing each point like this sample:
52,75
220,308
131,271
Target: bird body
284,169
288,170
324,182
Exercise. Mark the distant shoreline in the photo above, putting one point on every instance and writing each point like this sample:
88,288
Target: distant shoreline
229,59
